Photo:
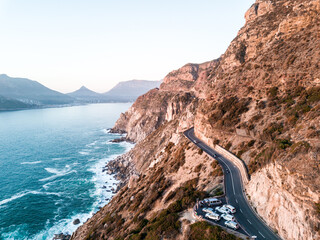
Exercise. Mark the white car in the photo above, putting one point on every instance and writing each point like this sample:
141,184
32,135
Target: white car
228,217
212,201
232,208
213,216
223,210
232,224
208,210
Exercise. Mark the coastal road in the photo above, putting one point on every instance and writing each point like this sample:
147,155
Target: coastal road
235,195
199,211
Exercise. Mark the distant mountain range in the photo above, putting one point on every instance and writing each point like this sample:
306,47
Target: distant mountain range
12,104
23,93
30,92
127,91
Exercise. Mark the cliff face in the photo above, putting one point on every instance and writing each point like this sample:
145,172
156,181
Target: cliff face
151,110
285,202
260,100
263,105
169,174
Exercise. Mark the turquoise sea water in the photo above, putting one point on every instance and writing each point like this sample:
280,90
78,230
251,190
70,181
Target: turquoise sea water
51,164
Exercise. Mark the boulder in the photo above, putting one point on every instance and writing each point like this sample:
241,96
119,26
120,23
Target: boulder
76,221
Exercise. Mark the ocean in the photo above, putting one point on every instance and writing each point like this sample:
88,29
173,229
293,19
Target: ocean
51,163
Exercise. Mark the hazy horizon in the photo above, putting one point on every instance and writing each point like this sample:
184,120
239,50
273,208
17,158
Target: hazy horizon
66,45
79,87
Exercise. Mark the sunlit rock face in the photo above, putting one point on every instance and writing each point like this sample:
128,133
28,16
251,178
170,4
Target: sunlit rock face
260,100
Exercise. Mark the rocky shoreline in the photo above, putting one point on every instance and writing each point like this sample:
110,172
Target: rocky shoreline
121,167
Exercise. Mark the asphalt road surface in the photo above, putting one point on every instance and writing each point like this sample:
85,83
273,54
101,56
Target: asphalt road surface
245,216
221,221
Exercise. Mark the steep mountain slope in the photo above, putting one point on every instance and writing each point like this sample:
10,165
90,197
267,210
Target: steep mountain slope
130,90
11,104
260,100
30,92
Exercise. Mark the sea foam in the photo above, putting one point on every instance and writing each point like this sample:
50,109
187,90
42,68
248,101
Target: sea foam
57,173
30,163
24,193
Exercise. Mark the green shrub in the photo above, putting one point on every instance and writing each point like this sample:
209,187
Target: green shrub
198,168
263,158
241,52
251,143
272,92
166,224
283,143
228,146
205,231
169,146
227,113
317,205
313,95
140,226
218,192
301,147
187,194
200,151
274,129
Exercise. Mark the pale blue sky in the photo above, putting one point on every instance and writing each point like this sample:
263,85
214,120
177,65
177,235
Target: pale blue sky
65,44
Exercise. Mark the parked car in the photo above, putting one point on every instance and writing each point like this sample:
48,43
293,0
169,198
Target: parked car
232,208
223,210
232,224
213,216
208,210
212,201
228,217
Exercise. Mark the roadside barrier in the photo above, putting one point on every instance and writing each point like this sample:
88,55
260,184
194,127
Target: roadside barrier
236,161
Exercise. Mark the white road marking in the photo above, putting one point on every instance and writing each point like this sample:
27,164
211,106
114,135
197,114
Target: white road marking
249,221
242,192
261,234
237,200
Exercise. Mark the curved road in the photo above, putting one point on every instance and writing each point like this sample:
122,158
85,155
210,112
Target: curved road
235,195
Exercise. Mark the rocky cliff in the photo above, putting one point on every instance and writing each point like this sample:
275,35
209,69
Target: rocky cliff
260,100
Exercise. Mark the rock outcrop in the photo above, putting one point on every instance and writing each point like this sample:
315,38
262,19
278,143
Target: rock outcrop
150,111
285,202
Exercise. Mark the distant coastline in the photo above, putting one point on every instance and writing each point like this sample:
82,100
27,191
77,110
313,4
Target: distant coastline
22,93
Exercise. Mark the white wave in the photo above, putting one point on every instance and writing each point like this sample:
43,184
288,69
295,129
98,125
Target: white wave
65,226
57,173
84,152
16,196
92,144
127,145
24,193
30,163
101,179
106,131
92,159
61,158
47,185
